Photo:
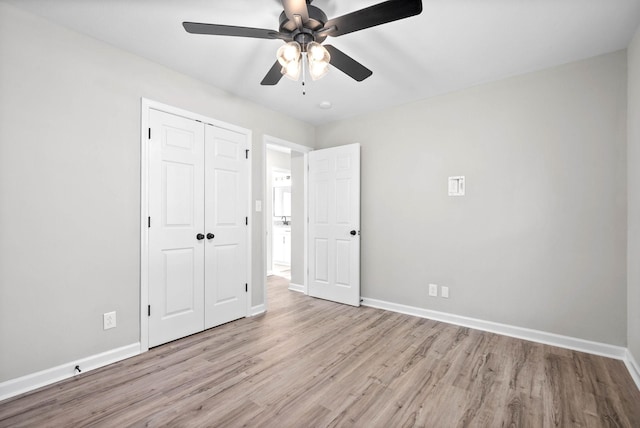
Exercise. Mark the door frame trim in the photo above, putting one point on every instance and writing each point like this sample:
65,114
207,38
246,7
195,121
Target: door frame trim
269,140
146,105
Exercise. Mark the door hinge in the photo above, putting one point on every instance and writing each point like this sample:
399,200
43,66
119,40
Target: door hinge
246,288
246,154
149,310
149,133
246,221
148,221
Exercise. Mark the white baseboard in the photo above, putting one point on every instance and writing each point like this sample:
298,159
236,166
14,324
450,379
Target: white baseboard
633,367
296,287
45,377
603,349
257,310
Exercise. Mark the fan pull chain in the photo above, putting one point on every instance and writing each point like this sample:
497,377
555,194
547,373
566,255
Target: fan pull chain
304,73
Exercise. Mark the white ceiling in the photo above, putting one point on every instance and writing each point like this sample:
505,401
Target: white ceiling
453,44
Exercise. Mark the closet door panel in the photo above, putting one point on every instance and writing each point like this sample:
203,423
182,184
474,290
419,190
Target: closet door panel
176,208
226,200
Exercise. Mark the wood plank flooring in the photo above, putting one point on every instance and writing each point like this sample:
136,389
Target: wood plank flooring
313,363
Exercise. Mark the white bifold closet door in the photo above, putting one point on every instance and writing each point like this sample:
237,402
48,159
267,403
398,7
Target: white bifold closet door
198,193
226,187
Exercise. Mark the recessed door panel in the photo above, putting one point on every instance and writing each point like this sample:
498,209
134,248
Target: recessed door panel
321,260
343,163
343,266
226,257
226,195
229,149
178,186
178,138
320,198
343,193
320,166
180,285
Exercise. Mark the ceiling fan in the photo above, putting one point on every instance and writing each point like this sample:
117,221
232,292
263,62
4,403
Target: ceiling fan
304,27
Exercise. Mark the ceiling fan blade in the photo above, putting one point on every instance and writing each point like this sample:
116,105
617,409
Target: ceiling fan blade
347,65
230,30
273,75
380,13
296,7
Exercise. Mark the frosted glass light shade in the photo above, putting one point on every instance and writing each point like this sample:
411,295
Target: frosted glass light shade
317,52
318,70
289,57
289,52
319,59
292,70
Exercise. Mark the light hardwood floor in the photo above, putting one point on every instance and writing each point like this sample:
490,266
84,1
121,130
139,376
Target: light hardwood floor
313,363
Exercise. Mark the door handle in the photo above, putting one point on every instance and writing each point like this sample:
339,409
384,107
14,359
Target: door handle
210,236
353,233
199,236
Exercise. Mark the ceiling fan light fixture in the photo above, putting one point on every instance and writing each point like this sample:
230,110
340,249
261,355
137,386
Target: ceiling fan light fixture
292,70
317,70
319,60
288,53
317,52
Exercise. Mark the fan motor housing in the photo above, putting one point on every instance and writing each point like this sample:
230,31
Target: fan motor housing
317,19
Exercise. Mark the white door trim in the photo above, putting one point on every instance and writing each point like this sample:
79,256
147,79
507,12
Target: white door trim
275,141
145,106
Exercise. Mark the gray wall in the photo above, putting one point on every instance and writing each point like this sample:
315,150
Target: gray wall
539,241
633,162
70,186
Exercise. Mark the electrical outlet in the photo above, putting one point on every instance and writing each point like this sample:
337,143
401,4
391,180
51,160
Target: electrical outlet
433,290
109,320
444,292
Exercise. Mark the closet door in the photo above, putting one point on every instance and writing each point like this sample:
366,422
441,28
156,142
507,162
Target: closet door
176,210
226,210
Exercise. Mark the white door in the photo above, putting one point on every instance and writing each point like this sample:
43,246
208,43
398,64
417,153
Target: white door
176,210
198,207
334,224
226,189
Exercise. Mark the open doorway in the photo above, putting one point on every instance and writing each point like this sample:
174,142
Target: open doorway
279,204
285,214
